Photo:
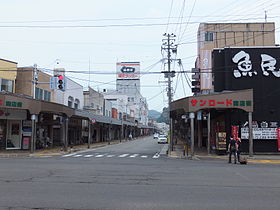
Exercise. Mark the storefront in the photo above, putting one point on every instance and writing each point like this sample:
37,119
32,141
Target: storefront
257,68
25,123
205,120
11,128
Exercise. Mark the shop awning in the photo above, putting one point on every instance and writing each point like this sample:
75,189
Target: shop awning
242,99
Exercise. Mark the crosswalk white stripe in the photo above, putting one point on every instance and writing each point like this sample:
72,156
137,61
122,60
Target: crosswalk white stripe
134,155
88,156
123,155
109,156
68,155
156,155
99,156
77,155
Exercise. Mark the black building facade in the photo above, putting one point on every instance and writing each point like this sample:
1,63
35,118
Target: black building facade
257,68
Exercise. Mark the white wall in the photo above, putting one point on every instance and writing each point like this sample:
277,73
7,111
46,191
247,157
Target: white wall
74,90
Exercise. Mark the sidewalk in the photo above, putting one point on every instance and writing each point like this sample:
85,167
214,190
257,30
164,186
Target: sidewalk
178,152
54,151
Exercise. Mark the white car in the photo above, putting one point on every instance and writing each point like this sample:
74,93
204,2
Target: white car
162,139
155,135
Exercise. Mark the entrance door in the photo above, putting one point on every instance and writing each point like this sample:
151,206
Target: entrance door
13,134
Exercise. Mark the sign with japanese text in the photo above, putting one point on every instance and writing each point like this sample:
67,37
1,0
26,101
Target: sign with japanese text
242,100
257,68
128,70
234,131
259,133
205,68
10,103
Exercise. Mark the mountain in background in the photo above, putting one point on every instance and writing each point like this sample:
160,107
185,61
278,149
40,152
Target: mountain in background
164,116
154,115
159,116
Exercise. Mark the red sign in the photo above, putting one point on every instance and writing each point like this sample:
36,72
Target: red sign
234,132
223,102
278,138
93,121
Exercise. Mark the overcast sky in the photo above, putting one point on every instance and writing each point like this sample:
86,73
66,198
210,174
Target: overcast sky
91,35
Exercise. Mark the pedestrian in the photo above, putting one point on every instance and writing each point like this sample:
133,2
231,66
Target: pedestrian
232,146
130,136
238,145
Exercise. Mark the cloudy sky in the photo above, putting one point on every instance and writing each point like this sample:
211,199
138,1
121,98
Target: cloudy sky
91,36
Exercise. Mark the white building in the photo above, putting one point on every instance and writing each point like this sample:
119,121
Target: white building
118,101
127,99
94,101
72,96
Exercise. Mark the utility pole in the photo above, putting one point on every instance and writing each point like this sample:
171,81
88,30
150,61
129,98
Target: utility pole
169,47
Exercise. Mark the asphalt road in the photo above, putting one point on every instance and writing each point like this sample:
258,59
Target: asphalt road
106,179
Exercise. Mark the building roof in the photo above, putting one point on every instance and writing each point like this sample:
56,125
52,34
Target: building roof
8,61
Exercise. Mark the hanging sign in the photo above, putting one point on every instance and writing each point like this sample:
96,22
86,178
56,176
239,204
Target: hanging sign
234,131
278,138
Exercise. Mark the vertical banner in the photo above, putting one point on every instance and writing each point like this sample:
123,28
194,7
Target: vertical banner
234,131
206,70
278,138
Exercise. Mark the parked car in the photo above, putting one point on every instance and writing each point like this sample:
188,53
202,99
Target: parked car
162,139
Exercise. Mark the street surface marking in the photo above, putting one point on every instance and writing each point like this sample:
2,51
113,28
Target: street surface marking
109,156
264,161
156,155
99,156
87,156
69,155
77,155
123,155
144,156
134,155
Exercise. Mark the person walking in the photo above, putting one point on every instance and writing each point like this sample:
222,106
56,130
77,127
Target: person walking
232,148
238,145
130,136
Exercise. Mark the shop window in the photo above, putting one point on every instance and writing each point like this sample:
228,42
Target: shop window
7,85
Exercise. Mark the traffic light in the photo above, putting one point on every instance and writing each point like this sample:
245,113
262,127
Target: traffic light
60,84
